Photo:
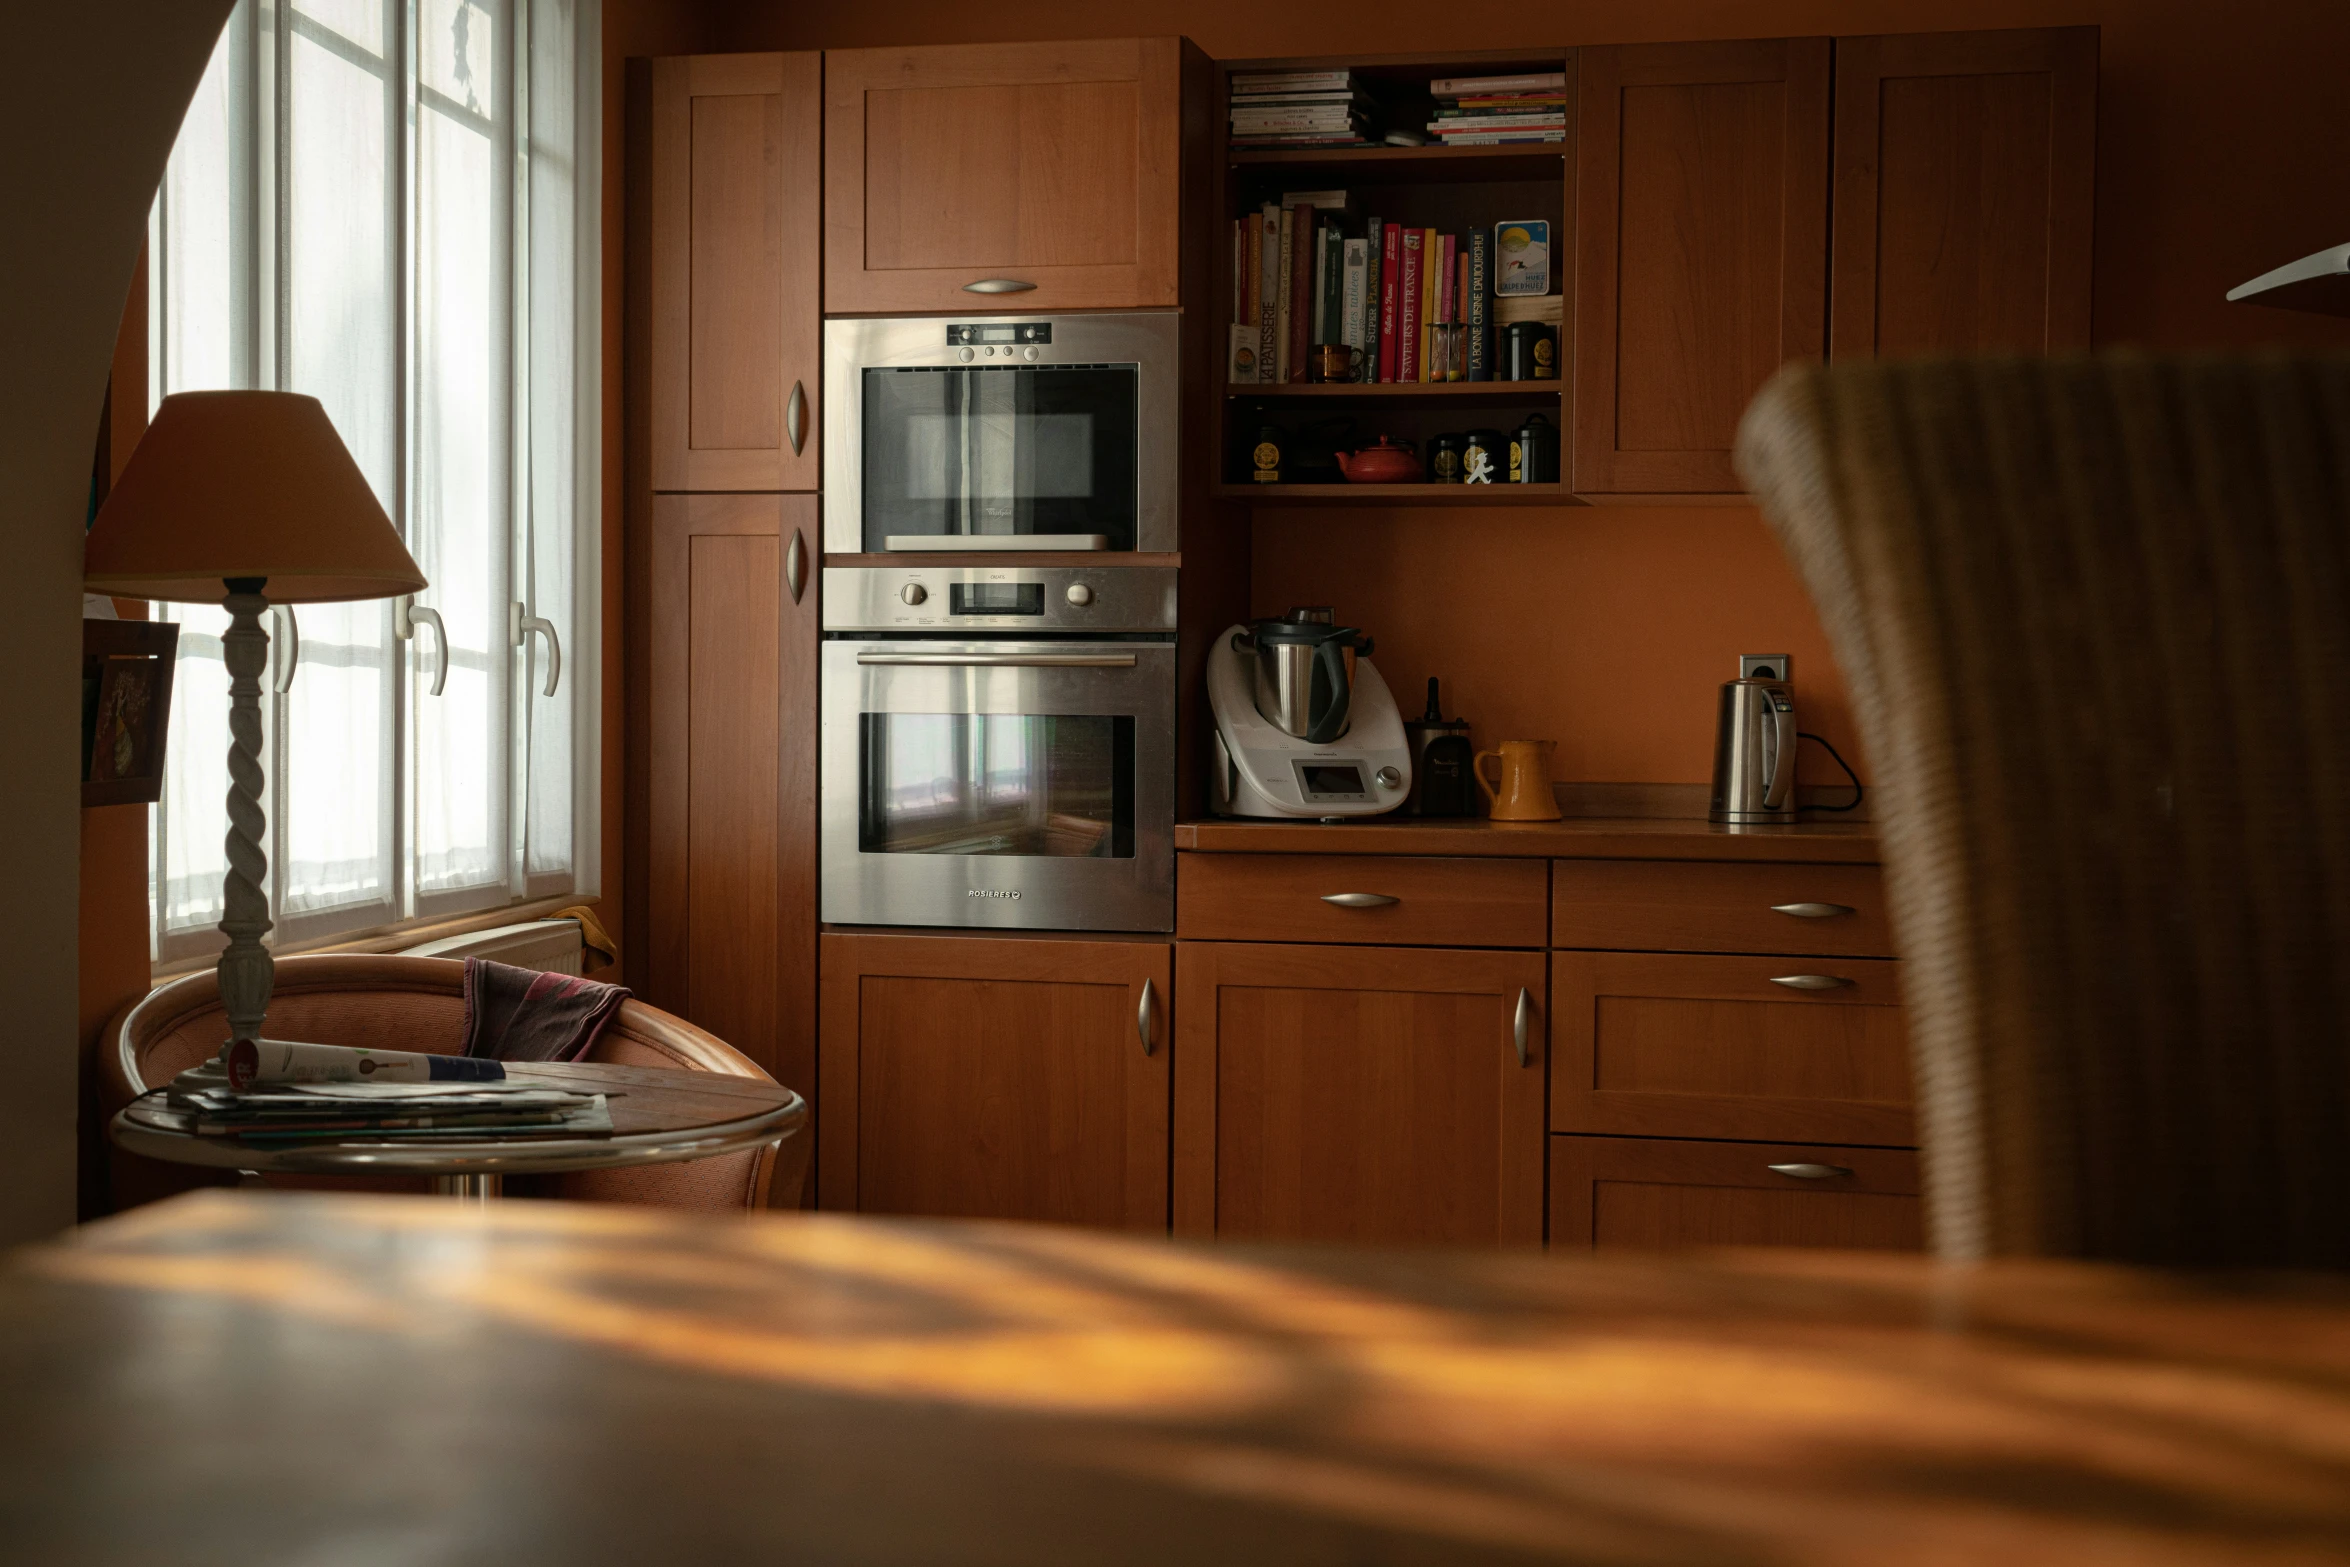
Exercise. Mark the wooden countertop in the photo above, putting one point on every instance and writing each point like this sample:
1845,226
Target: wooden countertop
1576,838
241,1376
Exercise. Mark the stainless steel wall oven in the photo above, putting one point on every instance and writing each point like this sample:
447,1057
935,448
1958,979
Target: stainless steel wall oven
1046,433
999,747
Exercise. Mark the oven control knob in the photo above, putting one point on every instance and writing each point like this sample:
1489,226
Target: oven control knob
913,593
1028,353
1080,595
1389,778
963,354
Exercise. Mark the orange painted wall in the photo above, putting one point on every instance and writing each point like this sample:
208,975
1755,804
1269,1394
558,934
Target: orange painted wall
1607,630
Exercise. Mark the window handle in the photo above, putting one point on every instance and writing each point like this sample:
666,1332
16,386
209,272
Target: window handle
519,628
407,615
292,643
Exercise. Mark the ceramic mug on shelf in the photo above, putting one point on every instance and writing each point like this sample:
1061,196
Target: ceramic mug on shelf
1524,792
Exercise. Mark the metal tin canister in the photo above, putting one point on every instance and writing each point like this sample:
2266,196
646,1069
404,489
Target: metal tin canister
1483,454
1444,458
1534,452
1527,353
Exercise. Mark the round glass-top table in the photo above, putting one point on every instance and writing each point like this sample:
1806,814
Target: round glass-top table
659,1116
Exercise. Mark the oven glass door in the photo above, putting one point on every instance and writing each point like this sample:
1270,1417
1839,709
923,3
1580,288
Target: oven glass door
1001,450
1008,784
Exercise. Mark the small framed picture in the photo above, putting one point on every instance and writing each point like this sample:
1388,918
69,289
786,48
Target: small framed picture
126,708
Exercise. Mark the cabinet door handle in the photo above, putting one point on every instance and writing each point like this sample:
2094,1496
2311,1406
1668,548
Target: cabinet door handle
795,566
1812,911
1142,1018
1811,981
1809,1172
795,418
1359,900
998,285
1521,1023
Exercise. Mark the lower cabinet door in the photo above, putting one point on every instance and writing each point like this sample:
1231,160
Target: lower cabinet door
1376,1094
1661,1193
988,1077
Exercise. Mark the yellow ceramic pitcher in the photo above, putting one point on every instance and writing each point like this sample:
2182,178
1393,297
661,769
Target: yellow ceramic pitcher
1524,793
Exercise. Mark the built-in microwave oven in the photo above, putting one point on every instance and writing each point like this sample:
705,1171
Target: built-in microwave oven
1002,433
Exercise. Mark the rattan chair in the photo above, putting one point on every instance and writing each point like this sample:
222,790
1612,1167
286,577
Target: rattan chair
2095,618
413,1003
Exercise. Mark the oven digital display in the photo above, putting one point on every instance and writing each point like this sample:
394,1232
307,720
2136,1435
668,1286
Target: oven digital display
966,333
995,598
1325,782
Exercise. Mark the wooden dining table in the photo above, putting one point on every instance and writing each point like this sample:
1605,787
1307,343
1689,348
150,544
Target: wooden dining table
255,1377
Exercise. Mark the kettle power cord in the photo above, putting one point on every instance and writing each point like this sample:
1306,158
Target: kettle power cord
1858,793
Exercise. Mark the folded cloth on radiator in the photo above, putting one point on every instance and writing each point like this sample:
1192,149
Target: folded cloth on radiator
520,1014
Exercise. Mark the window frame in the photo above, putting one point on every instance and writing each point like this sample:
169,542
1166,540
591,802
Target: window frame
256,49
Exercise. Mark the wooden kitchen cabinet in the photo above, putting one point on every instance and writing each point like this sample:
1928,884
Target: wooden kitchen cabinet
1657,1194
987,1077
1372,1094
1056,167
1964,186
1668,1045
1709,906
1701,250
731,179
728,755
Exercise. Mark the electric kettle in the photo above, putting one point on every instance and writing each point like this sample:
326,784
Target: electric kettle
1754,750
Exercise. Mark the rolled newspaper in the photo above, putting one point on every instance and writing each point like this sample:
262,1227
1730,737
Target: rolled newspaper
286,1061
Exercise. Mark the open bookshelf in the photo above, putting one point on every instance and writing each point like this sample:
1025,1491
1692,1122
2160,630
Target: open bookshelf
1454,190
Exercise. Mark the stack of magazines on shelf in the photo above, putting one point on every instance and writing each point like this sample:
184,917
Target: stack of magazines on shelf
1300,109
1494,111
278,1093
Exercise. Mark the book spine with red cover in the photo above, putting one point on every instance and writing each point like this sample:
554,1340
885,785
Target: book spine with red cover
1407,362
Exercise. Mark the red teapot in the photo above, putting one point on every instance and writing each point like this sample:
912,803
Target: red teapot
1391,461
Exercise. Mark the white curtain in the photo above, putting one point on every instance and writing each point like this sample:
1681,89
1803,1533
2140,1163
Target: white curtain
372,202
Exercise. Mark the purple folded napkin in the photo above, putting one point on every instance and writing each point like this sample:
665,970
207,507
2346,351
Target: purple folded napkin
520,1014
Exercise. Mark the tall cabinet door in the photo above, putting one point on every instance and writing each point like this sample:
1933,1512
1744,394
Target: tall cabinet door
1032,176
1701,243
736,193
1965,172
732,644
989,1077
1391,1095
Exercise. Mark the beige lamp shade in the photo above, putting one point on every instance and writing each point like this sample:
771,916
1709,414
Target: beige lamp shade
245,484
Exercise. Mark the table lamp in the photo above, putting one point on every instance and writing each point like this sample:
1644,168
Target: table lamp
247,499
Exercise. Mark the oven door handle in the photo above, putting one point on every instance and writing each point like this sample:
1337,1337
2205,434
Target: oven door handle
1007,660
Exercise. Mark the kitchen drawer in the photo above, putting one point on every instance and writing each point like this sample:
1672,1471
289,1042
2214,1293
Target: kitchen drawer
1422,901
1702,906
1657,1194
1650,1045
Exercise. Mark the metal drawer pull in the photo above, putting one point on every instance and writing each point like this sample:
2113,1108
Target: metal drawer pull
1812,911
795,567
1521,1022
795,418
1359,900
1811,981
1809,1172
1007,660
998,285
1142,1018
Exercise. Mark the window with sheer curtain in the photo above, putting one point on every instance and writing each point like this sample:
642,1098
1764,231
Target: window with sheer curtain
390,205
